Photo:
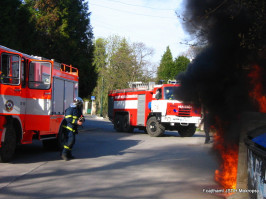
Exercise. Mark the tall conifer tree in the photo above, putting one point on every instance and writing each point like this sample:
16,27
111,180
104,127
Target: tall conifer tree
166,65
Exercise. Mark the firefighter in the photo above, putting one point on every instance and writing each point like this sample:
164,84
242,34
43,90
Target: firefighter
2,77
73,117
169,95
207,122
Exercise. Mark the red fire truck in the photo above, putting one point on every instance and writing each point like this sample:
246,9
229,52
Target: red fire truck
34,94
152,108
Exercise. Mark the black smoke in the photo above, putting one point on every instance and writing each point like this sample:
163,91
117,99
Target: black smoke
217,79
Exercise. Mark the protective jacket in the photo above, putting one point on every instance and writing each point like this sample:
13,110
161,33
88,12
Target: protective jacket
72,116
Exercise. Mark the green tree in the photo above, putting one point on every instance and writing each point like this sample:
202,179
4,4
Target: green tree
16,30
122,66
100,62
63,32
117,62
180,65
8,16
166,66
100,55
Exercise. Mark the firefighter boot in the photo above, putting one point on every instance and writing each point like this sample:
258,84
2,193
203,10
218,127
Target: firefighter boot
65,157
207,140
70,156
64,154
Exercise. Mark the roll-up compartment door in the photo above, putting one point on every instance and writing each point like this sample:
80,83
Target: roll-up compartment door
141,109
58,96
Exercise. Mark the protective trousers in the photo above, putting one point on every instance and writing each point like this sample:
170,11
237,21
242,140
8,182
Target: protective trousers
69,143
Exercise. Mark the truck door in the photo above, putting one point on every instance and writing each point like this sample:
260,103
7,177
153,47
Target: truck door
38,101
11,100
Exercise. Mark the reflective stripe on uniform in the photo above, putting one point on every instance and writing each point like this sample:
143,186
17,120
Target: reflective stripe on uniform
74,118
67,127
66,147
68,116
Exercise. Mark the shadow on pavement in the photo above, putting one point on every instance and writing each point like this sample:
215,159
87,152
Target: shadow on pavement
116,169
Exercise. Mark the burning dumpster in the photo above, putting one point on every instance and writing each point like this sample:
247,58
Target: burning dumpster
256,158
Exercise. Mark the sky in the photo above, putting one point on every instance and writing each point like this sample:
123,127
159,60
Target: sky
152,22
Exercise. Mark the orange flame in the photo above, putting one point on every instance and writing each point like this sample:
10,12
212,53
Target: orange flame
227,173
257,93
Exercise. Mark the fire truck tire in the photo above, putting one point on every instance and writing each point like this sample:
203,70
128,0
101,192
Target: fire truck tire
126,125
118,123
187,131
8,148
154,128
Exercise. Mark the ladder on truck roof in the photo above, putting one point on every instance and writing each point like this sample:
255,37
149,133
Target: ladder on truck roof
141,86
173,82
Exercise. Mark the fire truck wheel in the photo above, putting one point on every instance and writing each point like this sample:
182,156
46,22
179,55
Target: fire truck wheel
154,128
126,125
9,146
118,123
187,131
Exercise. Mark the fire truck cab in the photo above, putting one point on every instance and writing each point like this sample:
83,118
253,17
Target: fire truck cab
34,93
152,108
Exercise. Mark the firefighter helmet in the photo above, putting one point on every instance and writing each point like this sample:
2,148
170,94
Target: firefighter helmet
78,101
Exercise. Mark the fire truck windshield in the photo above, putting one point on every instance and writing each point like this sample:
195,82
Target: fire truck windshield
169,93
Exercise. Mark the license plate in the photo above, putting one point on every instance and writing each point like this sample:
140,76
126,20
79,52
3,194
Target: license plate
183,119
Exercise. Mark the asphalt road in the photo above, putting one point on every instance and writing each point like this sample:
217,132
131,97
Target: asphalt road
116,165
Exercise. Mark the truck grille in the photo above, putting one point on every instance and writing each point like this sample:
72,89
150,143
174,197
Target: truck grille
184,112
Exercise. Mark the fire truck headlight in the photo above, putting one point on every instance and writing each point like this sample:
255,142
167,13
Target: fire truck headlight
168,119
